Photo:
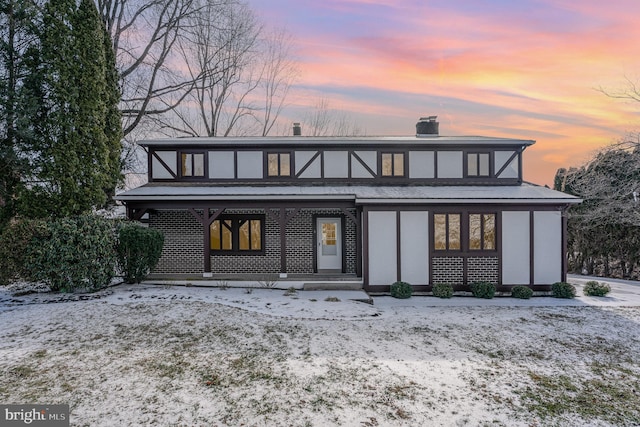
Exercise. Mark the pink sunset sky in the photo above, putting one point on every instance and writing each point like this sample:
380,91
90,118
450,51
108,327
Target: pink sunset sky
526,69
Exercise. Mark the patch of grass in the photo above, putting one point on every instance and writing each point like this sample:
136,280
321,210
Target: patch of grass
332,299
611,395
22,371
40,354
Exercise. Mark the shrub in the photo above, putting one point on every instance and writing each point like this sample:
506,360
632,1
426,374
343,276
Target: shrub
483,290
78,253
522,292
139,250
563,290
442,290
401,290
17,240
596,289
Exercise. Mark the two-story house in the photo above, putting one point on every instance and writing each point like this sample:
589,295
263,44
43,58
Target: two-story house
424,209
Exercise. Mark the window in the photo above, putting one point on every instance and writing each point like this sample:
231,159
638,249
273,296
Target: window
446,232
462,232
392,164
239,234
279,164
482,232
192,164
478,164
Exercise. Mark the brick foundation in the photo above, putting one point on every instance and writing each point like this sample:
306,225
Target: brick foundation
483,269
450,270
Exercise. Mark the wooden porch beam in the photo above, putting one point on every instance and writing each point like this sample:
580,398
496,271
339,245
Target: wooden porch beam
206,219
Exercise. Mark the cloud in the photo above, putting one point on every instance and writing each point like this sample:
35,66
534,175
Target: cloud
519,69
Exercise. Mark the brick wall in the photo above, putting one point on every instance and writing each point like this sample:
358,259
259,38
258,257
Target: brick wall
182,252
482,269
300,232
448,270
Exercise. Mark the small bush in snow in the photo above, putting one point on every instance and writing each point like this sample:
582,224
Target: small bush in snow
483,290
139,250
401,290
442,290
596,289
522,292
563,290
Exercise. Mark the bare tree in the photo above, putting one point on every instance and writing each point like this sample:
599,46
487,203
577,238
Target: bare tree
326,121
220,52
144,34
279,73
630,91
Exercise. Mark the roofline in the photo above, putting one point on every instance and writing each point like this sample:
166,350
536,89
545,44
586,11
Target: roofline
311,141
349,197
469,201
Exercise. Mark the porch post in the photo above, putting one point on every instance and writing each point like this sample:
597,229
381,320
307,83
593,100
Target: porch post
283,220
206,219
565,244
359,242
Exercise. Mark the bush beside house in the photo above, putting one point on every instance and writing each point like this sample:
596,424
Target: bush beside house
401,290
521,292
139,250
442,290
78,253
483,290
563,290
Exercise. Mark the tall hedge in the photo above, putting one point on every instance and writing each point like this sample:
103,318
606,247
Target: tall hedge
78,253
139,250
16,241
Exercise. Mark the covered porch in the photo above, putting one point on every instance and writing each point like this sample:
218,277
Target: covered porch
257,241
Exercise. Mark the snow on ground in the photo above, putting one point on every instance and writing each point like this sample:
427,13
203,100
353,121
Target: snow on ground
162,355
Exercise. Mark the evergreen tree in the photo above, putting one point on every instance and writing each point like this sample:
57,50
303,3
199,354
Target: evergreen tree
75,145
18,21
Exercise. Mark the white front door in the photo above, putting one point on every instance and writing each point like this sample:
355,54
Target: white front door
329,245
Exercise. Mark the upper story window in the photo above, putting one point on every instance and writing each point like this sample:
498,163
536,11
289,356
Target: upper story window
392,164
279,164
192,164
478,164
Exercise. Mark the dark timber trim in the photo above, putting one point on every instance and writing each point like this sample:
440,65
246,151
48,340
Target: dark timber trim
506,164
162,162
319,151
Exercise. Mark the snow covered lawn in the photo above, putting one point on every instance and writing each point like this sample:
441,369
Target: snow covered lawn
157,355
